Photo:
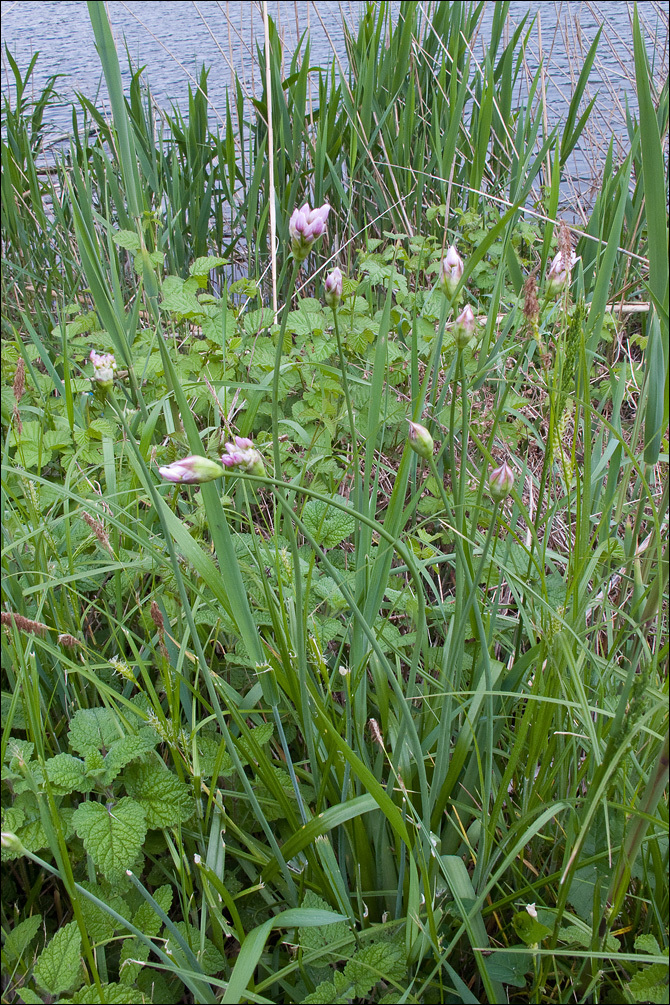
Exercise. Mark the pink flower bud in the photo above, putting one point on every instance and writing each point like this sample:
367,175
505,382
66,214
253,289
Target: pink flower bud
305,227
333,287
191,470
559,273
420,440
501,482
103,368
464,326
242,456
451,272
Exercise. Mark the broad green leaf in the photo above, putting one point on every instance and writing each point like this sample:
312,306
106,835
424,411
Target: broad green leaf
94,729
328,525
20,937
112,834
127,239
99,924
203,266
317,939
115,994
59,965
129,747
164,799
68,774
209,957
380,961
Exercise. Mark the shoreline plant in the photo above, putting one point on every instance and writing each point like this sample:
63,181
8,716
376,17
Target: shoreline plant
334,645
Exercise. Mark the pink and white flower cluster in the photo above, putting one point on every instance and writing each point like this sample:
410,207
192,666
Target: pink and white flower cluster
243,456
305,227
104,366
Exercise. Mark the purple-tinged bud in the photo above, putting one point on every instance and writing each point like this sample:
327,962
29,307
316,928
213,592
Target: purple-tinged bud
191,470
559,273
464,327
501,482
305,227
451,272
243,456
333,287
103,368
420,440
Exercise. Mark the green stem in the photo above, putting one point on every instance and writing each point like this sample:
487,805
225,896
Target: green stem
277,368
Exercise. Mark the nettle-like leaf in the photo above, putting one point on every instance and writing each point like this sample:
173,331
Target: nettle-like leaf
128,748
94,729
335,992
68,774
115,994
209,957
20,937
380,961
18,753
319,938
164,800
59,965
650,983
99,924
112,834
328,525
148,922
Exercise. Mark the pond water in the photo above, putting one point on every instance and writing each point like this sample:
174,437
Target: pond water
172,40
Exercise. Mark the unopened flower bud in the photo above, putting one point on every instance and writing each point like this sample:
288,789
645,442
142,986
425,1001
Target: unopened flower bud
420,440
501,482
333,288
305,227
243,456
559,273
464,326
103,368
451,272
191,470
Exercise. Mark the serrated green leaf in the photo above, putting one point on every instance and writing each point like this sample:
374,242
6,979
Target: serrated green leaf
335,992
379,961
182,302
94,729
203,266
20,937
129,747
165,800
127,239
115,994
99,924
68,774
209,957
328,525
112,834
18,753
29,997
59,964
319,939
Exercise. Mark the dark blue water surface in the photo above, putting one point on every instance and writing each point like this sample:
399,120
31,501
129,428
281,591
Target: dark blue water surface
173,40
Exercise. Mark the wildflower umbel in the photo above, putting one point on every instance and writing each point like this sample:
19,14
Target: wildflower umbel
104,367
191,470
242,456
451,272
305,227
464,327
501,482
420,440
333,288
